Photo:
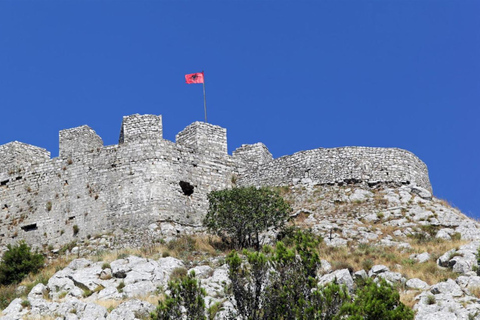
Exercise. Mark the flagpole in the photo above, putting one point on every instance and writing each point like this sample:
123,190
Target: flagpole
204,98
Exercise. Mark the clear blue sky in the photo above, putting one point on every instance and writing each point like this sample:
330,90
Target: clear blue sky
294,75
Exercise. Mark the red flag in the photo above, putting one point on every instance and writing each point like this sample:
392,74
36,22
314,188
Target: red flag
194,77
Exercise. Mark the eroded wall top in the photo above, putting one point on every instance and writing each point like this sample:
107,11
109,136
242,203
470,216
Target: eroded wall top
15,156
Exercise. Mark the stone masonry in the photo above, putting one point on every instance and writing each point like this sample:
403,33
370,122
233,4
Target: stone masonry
146,179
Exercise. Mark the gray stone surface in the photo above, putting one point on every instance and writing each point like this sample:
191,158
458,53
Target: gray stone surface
447,287
132,310
421,257
377,269
416,284
348,164
342,276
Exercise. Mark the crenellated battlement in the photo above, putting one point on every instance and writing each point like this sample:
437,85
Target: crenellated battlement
146,179
140,128
76,142
204,138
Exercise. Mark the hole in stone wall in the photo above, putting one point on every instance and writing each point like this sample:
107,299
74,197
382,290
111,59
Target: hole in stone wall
5,206
18,178
187,188
29,227
71,218
3,183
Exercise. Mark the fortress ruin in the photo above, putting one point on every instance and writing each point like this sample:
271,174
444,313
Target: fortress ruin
146,179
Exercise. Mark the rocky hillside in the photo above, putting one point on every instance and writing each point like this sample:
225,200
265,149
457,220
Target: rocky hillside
402,234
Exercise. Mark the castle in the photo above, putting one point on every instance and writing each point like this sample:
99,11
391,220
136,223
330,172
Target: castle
91,188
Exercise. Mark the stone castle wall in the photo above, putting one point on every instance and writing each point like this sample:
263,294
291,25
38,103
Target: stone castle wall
146,179
341,165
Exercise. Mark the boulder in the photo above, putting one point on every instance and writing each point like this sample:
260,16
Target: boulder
416,284
444,234
325,266
377,269
421,257
422,193
37,292
361,274
340,276
392,277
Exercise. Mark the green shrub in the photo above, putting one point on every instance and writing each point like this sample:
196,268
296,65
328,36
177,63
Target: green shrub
457,236
185,293
17,262
120,286
68,247
478,262
214,309
431,299
76,229
239,215
26,304
279,283
430,229
376,301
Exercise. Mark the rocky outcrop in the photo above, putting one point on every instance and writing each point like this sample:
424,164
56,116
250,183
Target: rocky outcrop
387,220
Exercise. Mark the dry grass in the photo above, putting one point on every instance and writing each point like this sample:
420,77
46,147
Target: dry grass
475,291
184,247
364,256
428,272
44,317
109,304
46,272
112,304
408,297
436,247
8,293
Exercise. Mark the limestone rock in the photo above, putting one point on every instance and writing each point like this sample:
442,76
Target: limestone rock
447,287
132,310
416,284
422,193
392,277
361,274
37,292
377,269
15,309
421,258
341,276
325,266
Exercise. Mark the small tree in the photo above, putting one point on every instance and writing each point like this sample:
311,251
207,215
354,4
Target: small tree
17,262
279,283
186,294
240,215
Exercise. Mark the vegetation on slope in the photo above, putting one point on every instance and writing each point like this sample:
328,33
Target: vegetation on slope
199,249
